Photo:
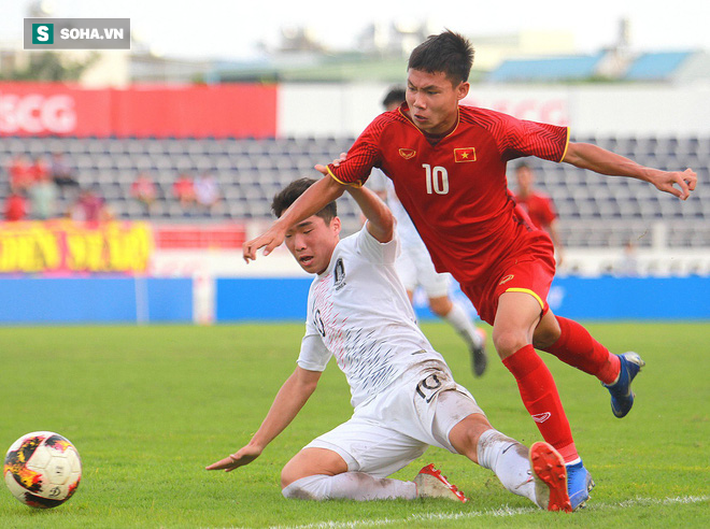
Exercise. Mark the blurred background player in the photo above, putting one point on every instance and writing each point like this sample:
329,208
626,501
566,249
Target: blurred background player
404,394
416,268
539,207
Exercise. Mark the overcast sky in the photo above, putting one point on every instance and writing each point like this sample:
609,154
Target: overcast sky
230,28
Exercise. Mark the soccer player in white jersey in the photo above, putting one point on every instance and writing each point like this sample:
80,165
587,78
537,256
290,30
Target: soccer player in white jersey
403,393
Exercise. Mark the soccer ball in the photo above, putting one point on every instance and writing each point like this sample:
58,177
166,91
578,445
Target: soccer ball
42,469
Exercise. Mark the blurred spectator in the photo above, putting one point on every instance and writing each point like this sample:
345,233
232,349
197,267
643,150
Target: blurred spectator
538,206
89,207
15,206
144,190
184,191
39,170
20,172
61,172
628,265
43,197
207,192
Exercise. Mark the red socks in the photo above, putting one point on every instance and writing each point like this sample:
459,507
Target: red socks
577,348
539,394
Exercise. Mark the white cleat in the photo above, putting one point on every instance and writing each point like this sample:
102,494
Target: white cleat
432,484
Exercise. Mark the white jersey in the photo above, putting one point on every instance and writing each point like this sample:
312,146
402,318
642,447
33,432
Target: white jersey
359,312
414,264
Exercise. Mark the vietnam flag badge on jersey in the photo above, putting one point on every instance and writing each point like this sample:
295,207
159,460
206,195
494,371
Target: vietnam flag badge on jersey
465,154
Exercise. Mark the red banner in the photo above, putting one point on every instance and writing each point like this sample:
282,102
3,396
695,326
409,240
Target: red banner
220,111
200,237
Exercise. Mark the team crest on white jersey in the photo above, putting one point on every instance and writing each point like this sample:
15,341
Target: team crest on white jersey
339,274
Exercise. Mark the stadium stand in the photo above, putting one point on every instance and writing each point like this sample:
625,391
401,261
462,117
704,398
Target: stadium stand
595,211
657,66
573,68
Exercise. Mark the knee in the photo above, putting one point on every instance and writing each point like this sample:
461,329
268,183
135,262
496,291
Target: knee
306,488
289,474
508,341
441,306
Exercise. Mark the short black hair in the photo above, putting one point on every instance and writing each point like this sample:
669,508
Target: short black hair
446,52
396,94
288,195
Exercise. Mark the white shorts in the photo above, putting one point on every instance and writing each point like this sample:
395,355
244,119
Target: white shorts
390,431
415,268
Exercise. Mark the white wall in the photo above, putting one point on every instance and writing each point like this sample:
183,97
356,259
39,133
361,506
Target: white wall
344,110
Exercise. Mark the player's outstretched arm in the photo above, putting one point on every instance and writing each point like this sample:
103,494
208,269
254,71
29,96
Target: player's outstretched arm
588,156
380,220
294,393
309,203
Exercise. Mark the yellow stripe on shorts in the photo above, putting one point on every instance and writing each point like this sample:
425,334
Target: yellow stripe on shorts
528,291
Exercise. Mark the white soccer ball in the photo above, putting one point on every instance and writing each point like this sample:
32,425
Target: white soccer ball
42,469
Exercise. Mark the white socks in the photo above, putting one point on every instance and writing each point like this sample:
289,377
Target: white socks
349,486
509,460
459,320
505,456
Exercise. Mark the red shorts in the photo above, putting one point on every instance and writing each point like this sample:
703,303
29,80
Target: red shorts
530,270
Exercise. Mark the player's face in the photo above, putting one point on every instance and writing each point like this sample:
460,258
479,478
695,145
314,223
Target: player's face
525,178
433,100
312,242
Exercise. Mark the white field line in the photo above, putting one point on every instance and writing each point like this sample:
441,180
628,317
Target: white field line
502,512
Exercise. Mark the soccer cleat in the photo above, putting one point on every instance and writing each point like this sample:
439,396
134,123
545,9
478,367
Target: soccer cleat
432,484
550,475
622,398
579,485
479,358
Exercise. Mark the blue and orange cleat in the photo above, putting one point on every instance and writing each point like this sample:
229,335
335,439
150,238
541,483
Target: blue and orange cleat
622,398
579,485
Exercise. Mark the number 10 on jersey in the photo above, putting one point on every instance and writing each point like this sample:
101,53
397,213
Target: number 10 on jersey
437,179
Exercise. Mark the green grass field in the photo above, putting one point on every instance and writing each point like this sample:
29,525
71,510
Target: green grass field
148,407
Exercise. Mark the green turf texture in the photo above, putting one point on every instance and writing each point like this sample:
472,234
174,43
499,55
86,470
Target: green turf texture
148,407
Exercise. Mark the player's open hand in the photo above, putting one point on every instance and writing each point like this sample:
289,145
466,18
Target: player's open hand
241,457
677,183
268,240
322,169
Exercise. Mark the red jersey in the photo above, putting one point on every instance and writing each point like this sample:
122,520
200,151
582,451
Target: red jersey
539,207
456,190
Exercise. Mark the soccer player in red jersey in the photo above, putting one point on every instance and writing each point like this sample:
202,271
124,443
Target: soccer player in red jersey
448,165
539,207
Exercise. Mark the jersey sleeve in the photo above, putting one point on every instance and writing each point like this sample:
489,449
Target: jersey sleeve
530,138
376,251
362,156
314,355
